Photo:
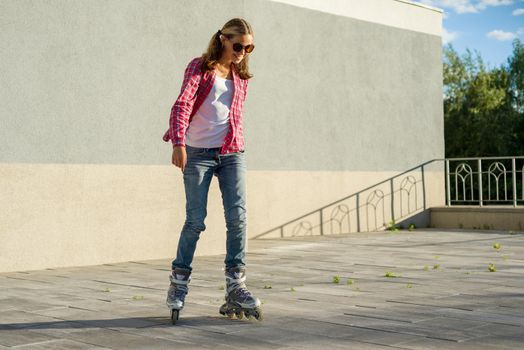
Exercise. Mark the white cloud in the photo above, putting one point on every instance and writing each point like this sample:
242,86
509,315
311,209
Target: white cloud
482,4
518,12
466,6
501,35
448,36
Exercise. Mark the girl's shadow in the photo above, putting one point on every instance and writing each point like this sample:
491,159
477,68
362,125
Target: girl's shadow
130,322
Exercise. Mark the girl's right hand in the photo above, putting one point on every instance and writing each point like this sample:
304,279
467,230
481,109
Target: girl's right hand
179,157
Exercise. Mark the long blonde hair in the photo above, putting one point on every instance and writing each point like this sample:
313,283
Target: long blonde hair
233,27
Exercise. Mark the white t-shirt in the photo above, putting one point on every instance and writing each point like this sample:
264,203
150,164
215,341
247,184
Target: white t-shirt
210,124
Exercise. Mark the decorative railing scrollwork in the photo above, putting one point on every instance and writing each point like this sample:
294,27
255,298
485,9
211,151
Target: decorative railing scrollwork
485,181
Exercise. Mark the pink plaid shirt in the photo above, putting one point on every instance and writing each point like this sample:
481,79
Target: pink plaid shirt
195,87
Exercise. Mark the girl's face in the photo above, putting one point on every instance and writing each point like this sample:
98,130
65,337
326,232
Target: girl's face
228,51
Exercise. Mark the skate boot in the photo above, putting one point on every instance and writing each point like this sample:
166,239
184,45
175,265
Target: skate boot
239,300
177,291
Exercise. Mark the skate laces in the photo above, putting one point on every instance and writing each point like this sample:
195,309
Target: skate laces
178,293
239,289
179,287
242,292
236,285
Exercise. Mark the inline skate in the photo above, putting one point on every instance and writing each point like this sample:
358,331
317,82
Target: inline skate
177,291
239,300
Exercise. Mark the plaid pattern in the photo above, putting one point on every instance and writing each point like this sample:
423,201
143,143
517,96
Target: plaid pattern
195,87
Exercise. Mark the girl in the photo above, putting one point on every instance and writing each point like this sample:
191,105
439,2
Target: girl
205,128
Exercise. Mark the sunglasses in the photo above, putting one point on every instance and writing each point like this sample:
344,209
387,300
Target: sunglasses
237,47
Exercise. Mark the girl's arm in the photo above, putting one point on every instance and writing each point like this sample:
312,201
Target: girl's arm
181,110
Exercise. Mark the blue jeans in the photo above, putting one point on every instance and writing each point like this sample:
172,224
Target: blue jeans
230,169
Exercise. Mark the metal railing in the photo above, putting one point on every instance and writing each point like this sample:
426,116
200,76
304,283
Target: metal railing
485,181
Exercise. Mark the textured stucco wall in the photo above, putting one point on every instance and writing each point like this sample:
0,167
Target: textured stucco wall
92,82
337,103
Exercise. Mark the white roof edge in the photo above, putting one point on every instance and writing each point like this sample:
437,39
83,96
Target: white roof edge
404,14
421,5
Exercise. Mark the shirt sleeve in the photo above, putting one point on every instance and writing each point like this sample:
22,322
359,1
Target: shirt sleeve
181,110
245,89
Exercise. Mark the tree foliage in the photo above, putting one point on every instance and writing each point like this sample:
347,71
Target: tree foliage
483,108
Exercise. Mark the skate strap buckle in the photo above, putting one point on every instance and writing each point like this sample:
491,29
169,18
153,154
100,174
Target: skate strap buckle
236,280
177,281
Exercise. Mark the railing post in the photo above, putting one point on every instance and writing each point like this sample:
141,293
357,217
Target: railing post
448,188
281,231
423,188
480,181
358,212
392,201
514,176
321,223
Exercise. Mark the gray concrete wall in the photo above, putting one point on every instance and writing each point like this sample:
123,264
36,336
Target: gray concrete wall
93,82
336,104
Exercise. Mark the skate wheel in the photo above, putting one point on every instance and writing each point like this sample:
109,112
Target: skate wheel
223,309
249,314
259,315
239,315
256,313
230,315
174,316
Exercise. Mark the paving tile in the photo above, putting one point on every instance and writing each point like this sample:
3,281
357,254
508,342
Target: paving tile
122,306
439,344
60,344
505,342
22,319
14,337
482,316
123,340
316,342
210,338
428,330
97,318
25,304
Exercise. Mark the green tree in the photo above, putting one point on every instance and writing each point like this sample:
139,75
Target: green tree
483,107
516,94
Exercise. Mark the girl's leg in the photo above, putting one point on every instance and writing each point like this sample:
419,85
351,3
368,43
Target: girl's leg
231,173
197,178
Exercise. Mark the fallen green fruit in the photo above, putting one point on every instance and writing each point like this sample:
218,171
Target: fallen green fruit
391,275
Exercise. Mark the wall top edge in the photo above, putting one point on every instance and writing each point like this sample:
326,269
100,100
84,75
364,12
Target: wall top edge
421,5
404,14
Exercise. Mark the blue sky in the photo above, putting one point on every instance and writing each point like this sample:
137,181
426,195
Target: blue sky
488,26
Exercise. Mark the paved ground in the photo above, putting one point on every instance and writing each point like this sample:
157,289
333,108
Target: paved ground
443,297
